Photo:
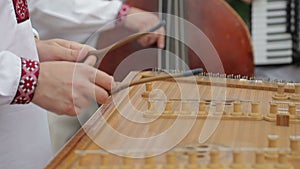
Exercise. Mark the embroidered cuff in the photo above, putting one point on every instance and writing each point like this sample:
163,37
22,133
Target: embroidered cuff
123,12
28,81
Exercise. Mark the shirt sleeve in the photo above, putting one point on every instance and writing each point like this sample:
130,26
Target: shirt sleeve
10,73
123,12
77,19
35,33
19,78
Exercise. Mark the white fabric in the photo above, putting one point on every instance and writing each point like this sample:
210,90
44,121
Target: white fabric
73,20
9,81
24,139
35,33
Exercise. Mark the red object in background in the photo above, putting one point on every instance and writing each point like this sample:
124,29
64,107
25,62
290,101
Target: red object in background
221,24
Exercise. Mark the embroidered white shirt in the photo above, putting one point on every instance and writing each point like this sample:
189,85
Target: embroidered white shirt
74,20
23,128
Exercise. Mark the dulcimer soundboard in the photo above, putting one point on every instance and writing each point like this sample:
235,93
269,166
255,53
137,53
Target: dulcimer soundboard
208,121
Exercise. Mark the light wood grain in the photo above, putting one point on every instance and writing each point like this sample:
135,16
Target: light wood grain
128,106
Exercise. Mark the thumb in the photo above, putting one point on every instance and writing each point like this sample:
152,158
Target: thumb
83,52
90,60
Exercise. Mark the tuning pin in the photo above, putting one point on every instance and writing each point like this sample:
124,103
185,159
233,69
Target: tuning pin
230,76
245,77
271,116
255,112
272,143
237,76
223,75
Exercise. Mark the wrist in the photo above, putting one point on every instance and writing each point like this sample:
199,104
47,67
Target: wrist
123,12
28,81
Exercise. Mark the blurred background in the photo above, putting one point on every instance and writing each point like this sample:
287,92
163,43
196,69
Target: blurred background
254,38
274,27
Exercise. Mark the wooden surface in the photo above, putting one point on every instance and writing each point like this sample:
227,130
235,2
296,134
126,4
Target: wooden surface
127,113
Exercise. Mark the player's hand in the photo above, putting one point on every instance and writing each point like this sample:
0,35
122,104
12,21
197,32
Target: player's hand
67,87
140,20
61,50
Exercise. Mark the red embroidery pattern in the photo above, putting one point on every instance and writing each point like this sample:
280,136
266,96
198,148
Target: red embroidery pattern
123,11
21,10
28,82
